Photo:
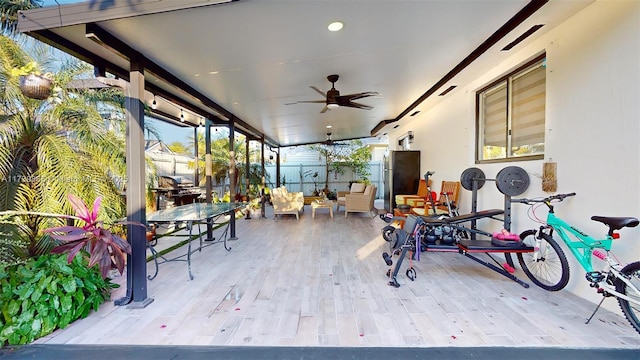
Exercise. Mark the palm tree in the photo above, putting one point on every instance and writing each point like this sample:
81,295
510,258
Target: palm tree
220,158
9,10
51,148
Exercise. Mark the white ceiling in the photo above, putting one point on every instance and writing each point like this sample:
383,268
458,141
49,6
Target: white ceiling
253,57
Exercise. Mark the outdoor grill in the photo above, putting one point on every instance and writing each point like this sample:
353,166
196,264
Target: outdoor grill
175,191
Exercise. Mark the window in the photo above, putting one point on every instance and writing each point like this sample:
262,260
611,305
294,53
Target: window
511,115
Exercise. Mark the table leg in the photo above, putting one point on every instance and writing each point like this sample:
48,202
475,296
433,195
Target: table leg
154,254
190,226
232,225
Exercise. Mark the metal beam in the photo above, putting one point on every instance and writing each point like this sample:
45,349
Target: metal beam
262,197
85,55
136,293
97,33
515,21
232,177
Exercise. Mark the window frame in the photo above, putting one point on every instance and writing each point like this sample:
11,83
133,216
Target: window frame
507,79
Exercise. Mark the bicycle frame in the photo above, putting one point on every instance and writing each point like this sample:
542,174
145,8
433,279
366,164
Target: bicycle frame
583,247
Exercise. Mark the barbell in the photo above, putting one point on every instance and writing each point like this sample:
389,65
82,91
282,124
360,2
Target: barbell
512,180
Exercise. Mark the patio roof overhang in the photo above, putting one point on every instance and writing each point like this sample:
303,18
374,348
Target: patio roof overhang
247,59
239,63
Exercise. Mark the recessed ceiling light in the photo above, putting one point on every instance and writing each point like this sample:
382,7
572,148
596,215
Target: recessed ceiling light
328,126
335,26
196,74
213,72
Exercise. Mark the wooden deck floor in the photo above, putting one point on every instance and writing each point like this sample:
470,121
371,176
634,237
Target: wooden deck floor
321,282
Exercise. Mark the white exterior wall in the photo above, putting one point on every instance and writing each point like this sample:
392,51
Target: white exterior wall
592,130
172,165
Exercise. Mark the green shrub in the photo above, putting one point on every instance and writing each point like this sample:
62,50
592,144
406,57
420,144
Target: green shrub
47,293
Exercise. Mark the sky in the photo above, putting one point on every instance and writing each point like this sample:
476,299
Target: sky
170,133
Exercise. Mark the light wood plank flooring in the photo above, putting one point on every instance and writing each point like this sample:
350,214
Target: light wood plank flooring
321,282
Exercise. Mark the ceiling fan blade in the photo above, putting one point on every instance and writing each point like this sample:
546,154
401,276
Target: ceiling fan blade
324,109
360,95
319,91
358,106
308,102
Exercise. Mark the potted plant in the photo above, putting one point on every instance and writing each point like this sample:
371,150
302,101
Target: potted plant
255,206
314,177
32,83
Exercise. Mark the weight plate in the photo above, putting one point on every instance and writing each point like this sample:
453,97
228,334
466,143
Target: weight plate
471,174
512,180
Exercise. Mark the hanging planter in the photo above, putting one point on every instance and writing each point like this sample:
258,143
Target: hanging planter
36,86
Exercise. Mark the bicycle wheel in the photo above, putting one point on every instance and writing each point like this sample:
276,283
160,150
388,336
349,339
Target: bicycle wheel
550,268
523,235
631,311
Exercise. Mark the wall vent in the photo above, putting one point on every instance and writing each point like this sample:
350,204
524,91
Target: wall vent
447,90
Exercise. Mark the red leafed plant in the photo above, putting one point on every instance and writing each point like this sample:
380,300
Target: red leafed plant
104,247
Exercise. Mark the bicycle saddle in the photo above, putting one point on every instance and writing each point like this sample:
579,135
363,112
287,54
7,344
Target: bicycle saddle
616,223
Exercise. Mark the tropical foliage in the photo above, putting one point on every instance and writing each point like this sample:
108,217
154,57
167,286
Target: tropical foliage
46,293
220,162
9,10
104,248
51,148
352,155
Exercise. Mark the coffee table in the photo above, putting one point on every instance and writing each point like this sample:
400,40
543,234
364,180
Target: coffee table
321,204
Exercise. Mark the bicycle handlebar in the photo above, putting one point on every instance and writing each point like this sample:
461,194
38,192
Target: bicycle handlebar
546,200
427,174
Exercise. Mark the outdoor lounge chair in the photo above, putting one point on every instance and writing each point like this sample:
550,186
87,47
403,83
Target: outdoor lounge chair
356,187
361,202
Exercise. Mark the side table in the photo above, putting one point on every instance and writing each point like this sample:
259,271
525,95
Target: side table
321,204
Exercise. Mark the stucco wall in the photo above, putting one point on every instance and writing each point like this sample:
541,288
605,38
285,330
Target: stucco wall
592,128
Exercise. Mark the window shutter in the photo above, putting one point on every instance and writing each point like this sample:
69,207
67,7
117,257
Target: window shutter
528,108
495,116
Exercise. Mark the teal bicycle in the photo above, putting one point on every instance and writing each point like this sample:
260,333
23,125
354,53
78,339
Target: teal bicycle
547,265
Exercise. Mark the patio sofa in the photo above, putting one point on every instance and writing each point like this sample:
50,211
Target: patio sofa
285,202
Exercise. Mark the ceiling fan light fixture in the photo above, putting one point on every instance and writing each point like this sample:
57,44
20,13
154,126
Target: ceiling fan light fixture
332,105
335,26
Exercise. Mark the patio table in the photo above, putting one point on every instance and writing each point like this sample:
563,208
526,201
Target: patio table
190,215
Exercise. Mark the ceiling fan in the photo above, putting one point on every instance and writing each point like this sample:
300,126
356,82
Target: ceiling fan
333,99
332,142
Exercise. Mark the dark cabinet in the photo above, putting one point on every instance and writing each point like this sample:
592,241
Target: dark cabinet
401,175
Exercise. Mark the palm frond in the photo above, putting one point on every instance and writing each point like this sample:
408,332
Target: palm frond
9,11
52,149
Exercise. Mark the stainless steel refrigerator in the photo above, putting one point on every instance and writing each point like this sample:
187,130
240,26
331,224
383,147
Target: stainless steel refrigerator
401,175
